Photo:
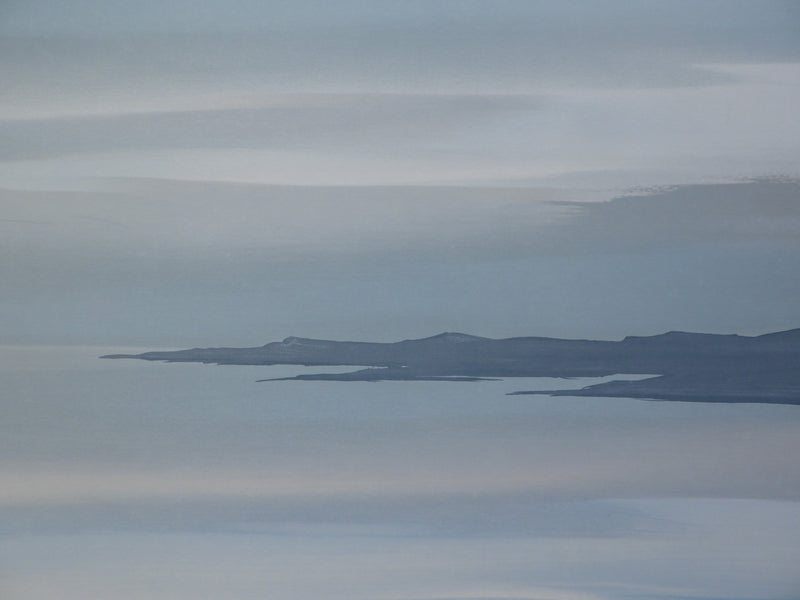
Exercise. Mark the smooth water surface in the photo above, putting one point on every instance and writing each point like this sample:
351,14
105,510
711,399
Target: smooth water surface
126,479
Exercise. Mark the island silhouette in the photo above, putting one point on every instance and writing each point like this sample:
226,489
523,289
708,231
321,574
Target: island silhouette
692,367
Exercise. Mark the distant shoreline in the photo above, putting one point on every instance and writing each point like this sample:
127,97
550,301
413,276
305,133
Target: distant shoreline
691,367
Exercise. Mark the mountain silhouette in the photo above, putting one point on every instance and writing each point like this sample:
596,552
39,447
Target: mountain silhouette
685,366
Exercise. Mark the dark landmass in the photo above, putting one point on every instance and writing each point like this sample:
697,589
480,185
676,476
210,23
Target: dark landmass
692,367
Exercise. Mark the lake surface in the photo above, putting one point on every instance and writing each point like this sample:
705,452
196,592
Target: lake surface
132,480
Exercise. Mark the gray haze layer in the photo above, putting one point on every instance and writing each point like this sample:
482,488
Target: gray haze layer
178,264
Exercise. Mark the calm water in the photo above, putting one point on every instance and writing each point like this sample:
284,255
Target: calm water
127,479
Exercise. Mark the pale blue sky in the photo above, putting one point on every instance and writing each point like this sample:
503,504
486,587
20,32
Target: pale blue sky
393,169
727,17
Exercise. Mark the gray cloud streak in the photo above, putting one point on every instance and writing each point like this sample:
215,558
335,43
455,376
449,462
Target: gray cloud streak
438,48
338,122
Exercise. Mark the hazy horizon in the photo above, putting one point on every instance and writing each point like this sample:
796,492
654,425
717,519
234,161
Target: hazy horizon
170,263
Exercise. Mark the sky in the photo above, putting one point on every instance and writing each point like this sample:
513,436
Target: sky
232,173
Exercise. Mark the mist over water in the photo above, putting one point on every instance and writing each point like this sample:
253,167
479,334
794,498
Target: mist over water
133,480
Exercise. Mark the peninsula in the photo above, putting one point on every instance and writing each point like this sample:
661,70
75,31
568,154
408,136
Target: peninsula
692,367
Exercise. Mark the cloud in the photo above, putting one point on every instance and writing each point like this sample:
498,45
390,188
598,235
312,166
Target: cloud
238,132
158,219
329,122
434,47
753,212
